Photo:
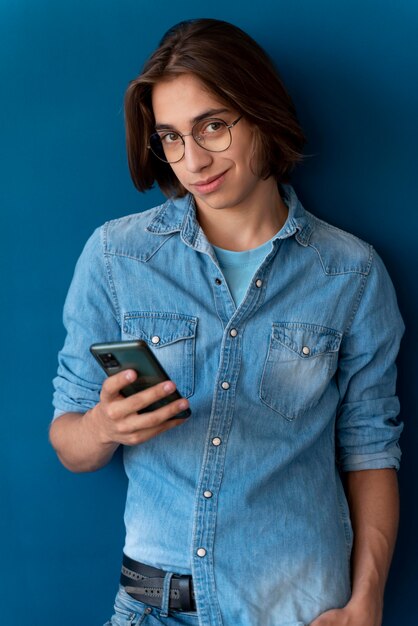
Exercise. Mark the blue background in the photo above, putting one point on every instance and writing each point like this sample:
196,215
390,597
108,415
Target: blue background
351,68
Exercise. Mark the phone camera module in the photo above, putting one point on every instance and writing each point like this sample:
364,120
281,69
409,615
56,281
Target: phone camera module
109,360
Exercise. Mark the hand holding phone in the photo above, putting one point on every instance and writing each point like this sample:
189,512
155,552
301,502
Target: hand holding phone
138,401
136,355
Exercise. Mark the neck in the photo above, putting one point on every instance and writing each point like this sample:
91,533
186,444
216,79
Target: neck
246,225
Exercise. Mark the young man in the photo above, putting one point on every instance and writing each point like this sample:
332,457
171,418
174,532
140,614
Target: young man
280,333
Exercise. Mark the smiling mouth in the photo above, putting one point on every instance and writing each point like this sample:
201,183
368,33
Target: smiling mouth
211,184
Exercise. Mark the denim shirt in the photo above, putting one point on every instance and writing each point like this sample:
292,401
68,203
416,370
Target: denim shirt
288,390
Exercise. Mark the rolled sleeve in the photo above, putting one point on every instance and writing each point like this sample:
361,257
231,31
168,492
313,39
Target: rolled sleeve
90,316
368,424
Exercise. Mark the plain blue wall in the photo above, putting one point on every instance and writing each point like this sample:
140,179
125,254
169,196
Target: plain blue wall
351,68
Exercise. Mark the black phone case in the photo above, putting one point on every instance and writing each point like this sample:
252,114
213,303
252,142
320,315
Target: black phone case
115,357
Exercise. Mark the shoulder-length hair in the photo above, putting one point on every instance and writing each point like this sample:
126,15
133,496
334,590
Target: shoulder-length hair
235,68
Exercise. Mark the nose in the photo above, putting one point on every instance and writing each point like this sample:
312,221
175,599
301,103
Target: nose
195,157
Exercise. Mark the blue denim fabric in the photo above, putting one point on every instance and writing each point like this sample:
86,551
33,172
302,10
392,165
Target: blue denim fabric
130,612
310,393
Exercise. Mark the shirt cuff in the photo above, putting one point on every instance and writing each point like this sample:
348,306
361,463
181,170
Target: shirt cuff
386,459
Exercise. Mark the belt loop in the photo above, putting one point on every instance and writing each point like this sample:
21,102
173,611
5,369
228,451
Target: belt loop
165,602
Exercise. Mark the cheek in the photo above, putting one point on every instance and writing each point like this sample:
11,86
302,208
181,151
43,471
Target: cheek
246,151
247,166
178,173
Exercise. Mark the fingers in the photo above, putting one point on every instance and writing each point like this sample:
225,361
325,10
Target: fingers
113,385
143,399
121,420
111,394
138,436
156,417
133,428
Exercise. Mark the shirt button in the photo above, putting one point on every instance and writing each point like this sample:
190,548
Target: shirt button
216,441
208,494
218,281
233,332
155,339
306,350
225,385
201,552
258,283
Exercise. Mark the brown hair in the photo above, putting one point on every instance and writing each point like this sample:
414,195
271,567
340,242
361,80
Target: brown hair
235,68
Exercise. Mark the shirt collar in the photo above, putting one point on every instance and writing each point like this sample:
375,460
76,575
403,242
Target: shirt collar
299,222
179,215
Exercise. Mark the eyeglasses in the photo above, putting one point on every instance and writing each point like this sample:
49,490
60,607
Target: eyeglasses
212,134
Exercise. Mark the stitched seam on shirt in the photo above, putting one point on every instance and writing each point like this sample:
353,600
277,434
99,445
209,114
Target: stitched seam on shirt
331,228
144,258
159,218
327,271
109,272
361,291
138,218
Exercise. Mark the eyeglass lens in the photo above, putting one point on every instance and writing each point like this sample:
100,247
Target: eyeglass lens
211,134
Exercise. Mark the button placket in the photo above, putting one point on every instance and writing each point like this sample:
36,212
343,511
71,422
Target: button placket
219,428
234,320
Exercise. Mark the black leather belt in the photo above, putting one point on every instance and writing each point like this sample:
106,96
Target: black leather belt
145,583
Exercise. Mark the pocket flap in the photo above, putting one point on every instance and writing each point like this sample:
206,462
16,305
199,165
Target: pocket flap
307,340
159,328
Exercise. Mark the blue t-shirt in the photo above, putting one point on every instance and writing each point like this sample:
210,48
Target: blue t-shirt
239,267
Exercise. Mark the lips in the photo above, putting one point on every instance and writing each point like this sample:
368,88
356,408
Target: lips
209,184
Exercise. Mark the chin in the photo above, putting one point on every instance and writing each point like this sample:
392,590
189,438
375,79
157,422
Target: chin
218,201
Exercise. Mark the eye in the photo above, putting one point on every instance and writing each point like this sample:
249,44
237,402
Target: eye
211,127
169,138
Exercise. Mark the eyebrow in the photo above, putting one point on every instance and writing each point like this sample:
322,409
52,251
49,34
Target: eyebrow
195,120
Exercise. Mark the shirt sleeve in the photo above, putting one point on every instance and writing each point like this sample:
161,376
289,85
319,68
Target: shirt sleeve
368,426
90,316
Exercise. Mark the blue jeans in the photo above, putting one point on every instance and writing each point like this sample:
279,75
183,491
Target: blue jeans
130,612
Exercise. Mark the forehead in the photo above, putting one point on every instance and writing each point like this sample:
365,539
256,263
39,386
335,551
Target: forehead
181,99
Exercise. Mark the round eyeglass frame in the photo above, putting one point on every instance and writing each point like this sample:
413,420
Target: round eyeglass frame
195,137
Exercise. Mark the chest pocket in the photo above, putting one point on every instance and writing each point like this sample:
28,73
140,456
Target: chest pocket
301,361
171,336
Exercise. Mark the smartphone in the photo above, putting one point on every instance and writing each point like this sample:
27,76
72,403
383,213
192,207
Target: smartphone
136,355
